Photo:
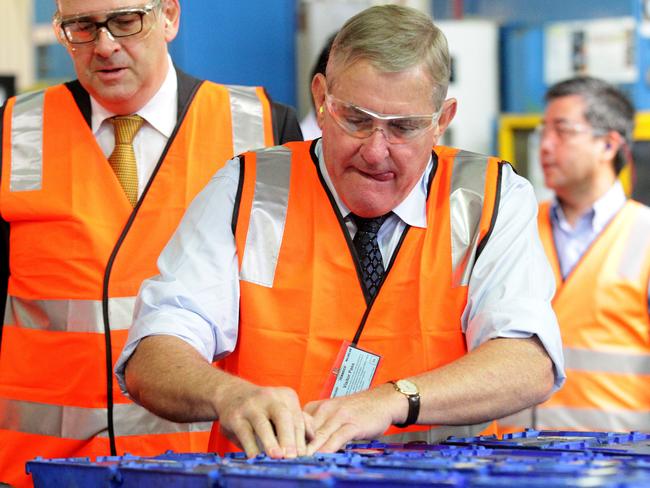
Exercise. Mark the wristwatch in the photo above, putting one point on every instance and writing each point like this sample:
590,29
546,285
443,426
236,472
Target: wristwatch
410,390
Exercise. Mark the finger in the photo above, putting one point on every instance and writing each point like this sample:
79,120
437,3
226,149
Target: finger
301,442
299,428
264,431
337,439
285,429
243,435
232,438
319,413
321,434
309,426
312,407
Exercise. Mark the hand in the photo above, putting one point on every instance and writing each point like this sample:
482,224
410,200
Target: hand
268,417
364,415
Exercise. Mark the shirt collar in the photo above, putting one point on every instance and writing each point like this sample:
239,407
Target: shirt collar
160,112
412,210
601,212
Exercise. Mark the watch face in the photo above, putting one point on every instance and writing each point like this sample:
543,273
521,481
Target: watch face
407,387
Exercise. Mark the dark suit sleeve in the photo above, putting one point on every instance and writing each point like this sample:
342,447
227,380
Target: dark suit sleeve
4,245
285,124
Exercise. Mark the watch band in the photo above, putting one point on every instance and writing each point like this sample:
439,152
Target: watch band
414,403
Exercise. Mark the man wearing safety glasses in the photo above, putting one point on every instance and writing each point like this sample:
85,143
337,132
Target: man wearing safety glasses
96,174
364,284
598,242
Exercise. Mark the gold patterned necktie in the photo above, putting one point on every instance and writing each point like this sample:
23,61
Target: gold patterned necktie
122,158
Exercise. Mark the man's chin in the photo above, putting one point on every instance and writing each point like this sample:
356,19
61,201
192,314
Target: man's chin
369,209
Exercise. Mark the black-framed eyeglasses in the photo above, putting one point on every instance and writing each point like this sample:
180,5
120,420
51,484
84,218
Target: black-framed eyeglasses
126,22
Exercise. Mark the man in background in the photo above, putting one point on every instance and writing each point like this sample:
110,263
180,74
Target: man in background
96,174
598,242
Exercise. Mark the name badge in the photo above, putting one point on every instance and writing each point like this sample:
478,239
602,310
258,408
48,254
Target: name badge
353,371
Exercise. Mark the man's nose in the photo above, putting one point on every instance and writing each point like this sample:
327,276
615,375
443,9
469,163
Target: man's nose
105,44
547,139
375,147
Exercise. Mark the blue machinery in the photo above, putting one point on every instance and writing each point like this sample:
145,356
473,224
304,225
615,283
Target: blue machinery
530,458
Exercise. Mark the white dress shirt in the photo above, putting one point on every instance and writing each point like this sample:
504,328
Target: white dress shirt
309,126
196,296
159,116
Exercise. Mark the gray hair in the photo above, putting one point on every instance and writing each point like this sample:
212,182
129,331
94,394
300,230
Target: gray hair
393,38
606,109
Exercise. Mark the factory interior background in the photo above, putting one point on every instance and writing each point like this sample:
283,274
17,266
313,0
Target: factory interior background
505,54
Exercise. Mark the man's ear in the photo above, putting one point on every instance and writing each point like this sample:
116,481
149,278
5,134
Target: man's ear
449,108
318,91
613,143
171,12
448,113
58,32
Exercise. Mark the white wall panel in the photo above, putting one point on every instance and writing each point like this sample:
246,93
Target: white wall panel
16,48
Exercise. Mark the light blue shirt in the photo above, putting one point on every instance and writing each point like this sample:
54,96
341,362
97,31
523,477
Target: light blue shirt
572,242
196,295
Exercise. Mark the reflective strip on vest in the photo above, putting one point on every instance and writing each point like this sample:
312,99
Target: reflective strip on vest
591,419
636,246
547,418
27,133
437,434
268,216
26,171
85,423
68,315
520,420
466,206
247,118
606,362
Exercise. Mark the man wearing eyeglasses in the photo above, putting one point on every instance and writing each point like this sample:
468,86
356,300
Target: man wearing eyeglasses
96,174
357,285
598,243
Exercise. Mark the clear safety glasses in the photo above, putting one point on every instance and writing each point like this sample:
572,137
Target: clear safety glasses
125,22
565,129
362,123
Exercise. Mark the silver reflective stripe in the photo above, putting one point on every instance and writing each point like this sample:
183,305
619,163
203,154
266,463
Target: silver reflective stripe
27,143
247,119
84,423
466,205
268,216
606,362
578,419
8,317
68,315
132,419
437,434
636,246
592,419
522,420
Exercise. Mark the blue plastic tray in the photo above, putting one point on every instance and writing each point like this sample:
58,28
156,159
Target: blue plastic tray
530,458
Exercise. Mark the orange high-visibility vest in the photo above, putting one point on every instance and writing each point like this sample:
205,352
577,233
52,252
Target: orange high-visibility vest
301,295
602,309
78,254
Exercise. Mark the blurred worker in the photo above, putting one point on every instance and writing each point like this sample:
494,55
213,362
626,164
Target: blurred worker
309,123
96,175
598,243
322,272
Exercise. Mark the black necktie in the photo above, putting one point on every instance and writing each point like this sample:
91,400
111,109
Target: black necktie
365,242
